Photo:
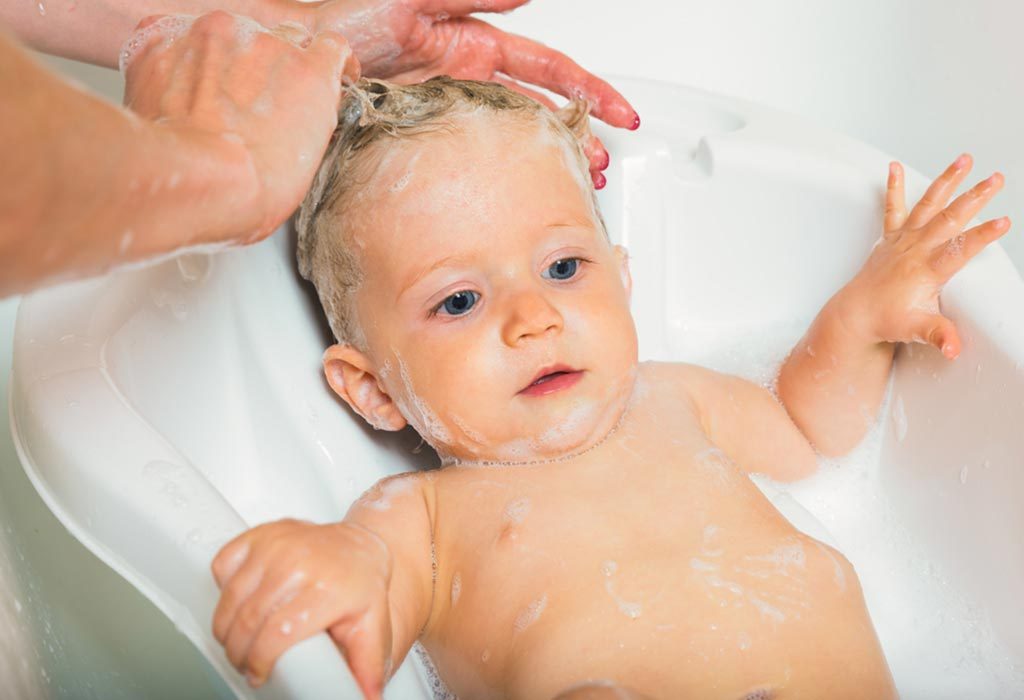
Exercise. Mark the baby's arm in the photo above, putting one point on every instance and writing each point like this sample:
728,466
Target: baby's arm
834,380
366,581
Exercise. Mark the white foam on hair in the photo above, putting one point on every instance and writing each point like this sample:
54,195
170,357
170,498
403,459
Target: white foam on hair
574,160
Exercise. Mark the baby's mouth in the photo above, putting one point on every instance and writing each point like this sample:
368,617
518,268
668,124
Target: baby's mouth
551,379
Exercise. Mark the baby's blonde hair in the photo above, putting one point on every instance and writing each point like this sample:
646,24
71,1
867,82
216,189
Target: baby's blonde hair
373,112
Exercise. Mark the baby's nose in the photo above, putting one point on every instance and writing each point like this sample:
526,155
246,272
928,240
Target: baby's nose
530,315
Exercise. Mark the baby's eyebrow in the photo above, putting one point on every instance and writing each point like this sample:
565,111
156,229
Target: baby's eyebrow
423,272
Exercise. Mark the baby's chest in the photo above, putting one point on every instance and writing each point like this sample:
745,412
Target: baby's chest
615,580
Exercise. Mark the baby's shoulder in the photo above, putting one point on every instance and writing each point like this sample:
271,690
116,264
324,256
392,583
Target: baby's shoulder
676,376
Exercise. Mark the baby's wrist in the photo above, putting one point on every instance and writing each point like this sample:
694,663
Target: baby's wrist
850,319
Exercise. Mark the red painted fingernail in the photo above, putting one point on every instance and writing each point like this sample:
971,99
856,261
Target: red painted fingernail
599,181
636,122
606,162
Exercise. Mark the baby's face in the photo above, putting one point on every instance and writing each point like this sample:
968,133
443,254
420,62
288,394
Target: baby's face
484,270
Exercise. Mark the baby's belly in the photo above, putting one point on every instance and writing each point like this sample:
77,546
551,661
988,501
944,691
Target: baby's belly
721,598
702,624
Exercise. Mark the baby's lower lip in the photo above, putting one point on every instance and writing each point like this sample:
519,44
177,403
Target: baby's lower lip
556,383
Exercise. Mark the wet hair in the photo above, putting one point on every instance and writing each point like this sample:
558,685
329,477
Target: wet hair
372,113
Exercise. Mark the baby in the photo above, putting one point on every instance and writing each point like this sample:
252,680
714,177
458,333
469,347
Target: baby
592,532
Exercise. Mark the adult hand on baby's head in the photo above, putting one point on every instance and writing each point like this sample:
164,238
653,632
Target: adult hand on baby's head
246,94
408,41
895,296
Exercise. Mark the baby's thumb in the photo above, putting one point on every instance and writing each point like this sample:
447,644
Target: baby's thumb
940,332
367,649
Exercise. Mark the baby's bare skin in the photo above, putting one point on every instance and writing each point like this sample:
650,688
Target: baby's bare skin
651,561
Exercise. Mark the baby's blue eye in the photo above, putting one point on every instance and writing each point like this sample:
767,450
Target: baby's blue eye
458,303
563,269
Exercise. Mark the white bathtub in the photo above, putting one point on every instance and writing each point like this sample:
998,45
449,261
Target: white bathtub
161,410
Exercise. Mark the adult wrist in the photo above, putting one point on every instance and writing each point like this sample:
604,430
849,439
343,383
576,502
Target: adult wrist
211,181
271,13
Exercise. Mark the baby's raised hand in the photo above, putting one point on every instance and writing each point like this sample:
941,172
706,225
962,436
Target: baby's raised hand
895,296
285,581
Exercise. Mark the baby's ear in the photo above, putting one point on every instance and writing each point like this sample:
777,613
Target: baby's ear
350,373
622,255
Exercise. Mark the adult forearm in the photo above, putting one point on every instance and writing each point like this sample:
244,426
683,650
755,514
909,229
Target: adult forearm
85,185
95,30
833,382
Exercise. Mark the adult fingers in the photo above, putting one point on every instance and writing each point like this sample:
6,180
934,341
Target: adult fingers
332,51
951,257
293,33
599,160
458,8
146,35
951,220
531,62
940,191
148,20
895,200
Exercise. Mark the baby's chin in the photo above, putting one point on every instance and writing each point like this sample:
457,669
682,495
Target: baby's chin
556,428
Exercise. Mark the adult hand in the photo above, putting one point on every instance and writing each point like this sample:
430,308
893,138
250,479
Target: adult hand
225,80
411,40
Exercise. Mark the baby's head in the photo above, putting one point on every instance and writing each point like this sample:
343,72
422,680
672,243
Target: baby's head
455,242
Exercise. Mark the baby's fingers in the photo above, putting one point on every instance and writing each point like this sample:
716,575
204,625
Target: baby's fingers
895,200
939,331
366,643
940,191
235,593
952,256
951,220
312,611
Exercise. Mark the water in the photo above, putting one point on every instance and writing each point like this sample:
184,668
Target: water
939,644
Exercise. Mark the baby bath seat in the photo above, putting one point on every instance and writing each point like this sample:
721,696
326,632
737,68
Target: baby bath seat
160,411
